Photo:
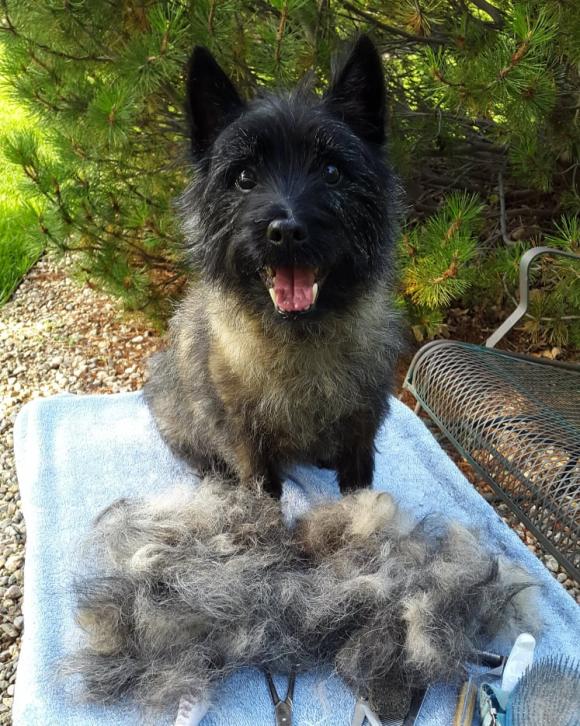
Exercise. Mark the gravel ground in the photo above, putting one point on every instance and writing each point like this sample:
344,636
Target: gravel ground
56,336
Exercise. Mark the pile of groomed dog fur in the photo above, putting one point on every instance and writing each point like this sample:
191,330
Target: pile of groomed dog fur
201,581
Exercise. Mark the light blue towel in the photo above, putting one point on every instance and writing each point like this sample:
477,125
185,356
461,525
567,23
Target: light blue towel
75,455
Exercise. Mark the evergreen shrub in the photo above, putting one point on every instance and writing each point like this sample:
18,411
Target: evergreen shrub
484,131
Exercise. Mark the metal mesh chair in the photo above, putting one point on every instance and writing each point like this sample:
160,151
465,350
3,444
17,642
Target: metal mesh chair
516,419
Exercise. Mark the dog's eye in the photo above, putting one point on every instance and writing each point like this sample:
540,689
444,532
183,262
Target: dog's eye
331,174
246,180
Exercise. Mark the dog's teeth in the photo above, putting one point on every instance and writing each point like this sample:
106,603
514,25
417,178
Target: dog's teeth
272,294
314,292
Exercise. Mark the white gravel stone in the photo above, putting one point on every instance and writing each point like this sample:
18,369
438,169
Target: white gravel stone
13,592
9,630
13,563
552,563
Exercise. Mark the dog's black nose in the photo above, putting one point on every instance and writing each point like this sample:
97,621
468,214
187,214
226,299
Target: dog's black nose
285,230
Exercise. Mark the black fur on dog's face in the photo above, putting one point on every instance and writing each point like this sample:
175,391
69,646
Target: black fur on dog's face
292,204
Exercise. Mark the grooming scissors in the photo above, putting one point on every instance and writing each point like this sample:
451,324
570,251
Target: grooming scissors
282,708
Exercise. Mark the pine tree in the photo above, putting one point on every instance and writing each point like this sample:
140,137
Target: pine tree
484,132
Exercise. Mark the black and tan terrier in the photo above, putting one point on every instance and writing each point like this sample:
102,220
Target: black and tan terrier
283,350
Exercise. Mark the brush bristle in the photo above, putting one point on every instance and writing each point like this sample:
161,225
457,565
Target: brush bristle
548,694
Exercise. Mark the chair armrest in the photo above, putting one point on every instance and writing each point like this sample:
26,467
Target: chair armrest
527,259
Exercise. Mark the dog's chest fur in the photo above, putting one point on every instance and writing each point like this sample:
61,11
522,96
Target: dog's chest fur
291,392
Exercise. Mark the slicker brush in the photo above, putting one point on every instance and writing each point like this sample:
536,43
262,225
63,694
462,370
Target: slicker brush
548,694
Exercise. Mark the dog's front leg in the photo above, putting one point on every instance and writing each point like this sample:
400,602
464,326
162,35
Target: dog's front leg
355,469
355,464
272,482
254,469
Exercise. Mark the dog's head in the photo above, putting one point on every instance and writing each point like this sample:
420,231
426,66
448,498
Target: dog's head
292,203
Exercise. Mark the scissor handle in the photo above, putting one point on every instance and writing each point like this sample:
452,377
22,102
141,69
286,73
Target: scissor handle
284,713
282,709
291,684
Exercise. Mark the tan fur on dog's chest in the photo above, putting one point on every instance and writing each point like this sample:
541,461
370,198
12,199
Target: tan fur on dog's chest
288,389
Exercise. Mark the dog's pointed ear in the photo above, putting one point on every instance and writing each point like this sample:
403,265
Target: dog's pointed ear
357,93
211,100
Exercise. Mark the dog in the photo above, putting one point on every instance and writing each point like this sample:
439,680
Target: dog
283,349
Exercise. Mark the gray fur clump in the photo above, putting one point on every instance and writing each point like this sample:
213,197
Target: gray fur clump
429,595
199,582
184,594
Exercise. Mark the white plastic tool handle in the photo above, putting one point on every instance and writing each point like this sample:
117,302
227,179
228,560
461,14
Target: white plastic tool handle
190,713
520,658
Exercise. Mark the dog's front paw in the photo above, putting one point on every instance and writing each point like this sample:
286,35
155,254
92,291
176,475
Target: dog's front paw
273,485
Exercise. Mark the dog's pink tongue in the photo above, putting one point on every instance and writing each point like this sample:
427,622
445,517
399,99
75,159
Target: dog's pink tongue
293,288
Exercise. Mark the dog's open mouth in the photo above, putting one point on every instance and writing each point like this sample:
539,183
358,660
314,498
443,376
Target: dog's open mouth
292,289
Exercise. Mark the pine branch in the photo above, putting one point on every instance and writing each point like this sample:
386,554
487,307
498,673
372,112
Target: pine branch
211,17
434,40
517,56
9,27
453,229
502,213
438,75
280,32
491,10
450,272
